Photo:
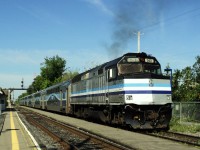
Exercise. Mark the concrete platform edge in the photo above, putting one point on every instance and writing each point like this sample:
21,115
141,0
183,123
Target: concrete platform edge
31,136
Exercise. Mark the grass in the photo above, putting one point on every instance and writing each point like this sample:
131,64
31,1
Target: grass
175,125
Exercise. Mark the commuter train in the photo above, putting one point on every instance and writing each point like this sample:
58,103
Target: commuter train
130,90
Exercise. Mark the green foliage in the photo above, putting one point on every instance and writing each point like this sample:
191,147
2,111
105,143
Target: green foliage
38,83
69,75
175,125
175,85
196,68
186,83
22,95
52,72
53,68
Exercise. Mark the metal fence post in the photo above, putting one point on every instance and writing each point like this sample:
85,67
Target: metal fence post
0,107
180,111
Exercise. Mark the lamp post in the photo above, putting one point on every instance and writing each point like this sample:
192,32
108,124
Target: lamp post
0,108
1,93
169,70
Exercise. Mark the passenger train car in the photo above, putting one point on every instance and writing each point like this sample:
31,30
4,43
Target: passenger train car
130,90
54,98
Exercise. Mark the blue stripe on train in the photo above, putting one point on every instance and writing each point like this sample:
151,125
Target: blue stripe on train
124,92
122,86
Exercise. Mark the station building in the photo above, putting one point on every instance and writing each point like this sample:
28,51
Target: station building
3,98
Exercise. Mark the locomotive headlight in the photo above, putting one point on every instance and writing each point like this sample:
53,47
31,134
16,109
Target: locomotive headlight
169,97
129,97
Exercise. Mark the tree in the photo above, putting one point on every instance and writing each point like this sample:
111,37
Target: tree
38,84
186,83
175,85
196,68
69,75
186,88
53,69
52,72
22,95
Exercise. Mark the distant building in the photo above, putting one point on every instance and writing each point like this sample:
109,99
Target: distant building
3,98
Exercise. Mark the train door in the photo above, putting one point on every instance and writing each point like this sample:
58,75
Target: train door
40,101
61,100
106,85
43,100
108,107
64,99
33,101
68,99
101,87
111,82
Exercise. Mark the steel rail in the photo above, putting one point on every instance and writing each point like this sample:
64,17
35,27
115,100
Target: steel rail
3,116
183,138
63,143
106,144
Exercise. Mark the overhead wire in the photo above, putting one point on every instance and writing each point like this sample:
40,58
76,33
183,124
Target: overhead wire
171,18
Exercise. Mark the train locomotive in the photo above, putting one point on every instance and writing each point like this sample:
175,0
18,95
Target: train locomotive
130,90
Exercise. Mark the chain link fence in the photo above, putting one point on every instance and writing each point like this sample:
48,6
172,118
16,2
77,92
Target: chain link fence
187,111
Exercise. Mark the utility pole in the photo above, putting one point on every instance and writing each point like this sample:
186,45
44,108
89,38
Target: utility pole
138,41
138,37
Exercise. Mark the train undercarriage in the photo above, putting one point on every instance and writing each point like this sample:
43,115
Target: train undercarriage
135,116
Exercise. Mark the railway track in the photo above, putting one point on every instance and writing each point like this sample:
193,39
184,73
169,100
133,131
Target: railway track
183,138
190,140
2,119
70,137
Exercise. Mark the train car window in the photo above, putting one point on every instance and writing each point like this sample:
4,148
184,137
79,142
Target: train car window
63,95
53,90
100,71
85,76
112,73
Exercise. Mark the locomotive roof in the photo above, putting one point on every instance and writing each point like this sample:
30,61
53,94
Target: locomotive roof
65,83
61,85
115,61
110,63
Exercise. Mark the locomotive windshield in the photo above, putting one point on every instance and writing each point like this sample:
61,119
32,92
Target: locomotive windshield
132,65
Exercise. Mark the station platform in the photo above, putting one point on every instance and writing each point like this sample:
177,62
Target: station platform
14,135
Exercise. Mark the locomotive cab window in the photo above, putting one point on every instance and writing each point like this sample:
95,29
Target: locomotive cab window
152,69
131,65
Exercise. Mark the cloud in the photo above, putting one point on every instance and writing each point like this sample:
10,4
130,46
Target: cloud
13,56
36,57
41,14
18,64
29,61
8,80
178,60
101,6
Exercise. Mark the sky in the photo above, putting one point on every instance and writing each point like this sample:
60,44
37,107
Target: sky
87,33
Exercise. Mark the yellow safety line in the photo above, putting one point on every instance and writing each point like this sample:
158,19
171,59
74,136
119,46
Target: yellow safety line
15,142
29,142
